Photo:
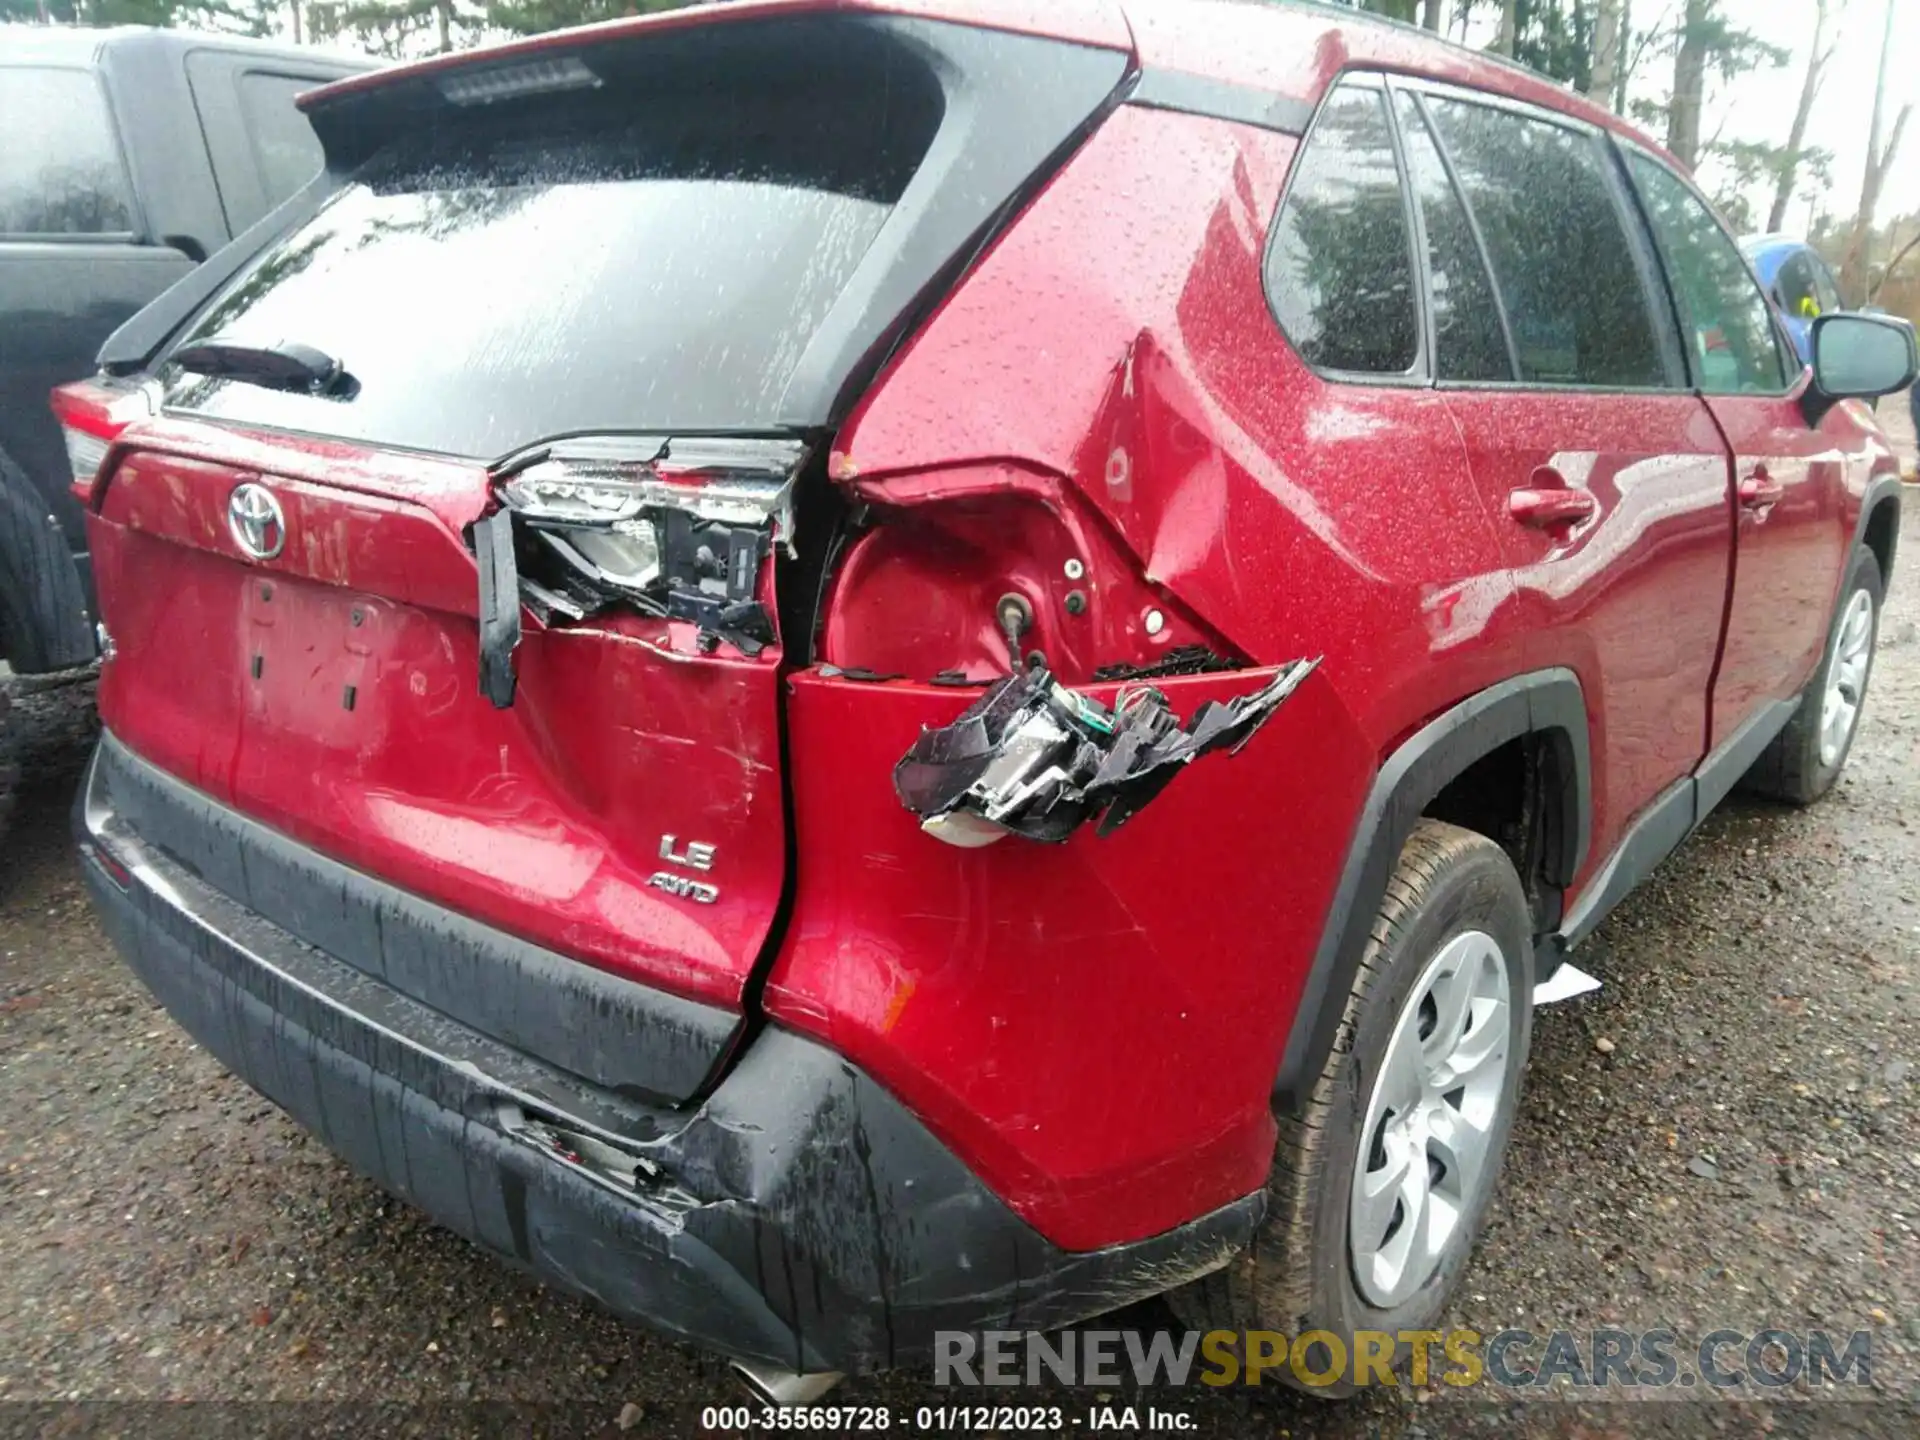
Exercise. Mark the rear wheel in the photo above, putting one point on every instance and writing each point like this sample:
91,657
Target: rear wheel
1805,759
9,767
1379,1188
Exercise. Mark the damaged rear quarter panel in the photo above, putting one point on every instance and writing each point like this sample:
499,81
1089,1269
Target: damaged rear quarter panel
1131,349
1097,1025
1094,1025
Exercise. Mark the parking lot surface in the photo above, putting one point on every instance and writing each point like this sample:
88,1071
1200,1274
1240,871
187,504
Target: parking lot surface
1726,1136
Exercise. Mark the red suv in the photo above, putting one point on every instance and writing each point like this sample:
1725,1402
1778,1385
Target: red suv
839,670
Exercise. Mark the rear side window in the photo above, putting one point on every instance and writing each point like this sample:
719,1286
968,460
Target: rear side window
1825,291
1468,341
60,170
1795,286
285,148
651,252
1729,330
1561,257
1340,268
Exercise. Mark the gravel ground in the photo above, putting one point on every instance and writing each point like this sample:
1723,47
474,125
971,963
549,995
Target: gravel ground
1725,1136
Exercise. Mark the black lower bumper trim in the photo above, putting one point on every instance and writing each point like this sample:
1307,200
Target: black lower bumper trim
800,1217
609,1031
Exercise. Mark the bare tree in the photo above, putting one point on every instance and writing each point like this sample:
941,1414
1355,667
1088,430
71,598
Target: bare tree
1689,83
1609,39
1905,250
1430,15
1509,25
1817,60
1881,152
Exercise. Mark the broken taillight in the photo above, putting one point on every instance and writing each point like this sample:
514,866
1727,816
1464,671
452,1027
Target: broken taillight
92,413
678,529
674,527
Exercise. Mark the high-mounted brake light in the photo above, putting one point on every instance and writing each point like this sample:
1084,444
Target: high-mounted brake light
507,82
92,413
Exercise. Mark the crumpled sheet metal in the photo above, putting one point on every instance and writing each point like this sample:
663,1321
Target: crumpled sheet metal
1034,758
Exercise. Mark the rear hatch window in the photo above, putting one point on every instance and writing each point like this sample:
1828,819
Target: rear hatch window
629,251
651,269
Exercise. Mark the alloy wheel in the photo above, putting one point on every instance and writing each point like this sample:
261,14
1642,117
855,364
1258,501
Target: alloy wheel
1847,677
1430,1119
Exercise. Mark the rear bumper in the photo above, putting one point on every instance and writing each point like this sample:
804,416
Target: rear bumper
799,1216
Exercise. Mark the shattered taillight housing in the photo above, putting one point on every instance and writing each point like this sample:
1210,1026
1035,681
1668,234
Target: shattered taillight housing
1035,758
678,526
673,528
92,413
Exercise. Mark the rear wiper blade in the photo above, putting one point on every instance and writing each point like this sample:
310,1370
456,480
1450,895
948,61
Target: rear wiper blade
285,366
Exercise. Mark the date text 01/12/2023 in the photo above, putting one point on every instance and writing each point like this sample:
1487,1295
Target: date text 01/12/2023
957,1419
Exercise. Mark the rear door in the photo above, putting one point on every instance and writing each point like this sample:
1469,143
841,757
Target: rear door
263,149
494,613
1790,477
1607,480
74,261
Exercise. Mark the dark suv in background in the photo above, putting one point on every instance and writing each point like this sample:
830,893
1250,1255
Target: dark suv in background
128,157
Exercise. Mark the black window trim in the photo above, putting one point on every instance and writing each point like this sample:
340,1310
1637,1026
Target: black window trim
270,67
1418,375
1824,271
1626,213
136,212
1649,263
1396,89
1783,347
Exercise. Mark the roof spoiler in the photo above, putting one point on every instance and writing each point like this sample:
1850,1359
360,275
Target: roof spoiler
1001,134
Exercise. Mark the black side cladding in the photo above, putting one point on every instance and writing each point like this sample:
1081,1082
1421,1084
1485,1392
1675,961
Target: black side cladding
499,606
610,1032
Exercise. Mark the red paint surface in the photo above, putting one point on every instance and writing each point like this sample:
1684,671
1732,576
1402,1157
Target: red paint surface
1793,554
544,819
1632,600
1093,1026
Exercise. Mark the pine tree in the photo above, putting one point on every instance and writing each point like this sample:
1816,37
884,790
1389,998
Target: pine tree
233,17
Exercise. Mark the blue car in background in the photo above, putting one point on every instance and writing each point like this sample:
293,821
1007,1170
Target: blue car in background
1798,280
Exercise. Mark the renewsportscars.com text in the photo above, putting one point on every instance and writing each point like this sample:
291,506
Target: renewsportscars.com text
1462,1359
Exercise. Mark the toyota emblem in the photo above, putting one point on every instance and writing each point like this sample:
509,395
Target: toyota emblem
254,516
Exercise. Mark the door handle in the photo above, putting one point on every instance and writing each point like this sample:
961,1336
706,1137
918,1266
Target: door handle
1760,491
1549,503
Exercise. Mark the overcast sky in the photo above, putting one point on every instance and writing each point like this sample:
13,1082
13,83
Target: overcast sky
1761,104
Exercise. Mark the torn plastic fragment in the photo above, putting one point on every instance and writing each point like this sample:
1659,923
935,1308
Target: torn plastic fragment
1036,759
499,606
1181,660
673,528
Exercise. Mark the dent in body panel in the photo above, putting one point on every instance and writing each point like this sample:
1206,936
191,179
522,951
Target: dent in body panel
1287,514
333,696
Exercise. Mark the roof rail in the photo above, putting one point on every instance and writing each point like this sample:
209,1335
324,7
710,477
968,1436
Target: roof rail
1351,14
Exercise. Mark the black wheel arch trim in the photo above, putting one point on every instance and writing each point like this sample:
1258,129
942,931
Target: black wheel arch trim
1547,703
1884,489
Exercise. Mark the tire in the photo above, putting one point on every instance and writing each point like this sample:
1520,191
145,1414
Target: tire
9,767
1801,764
1301,1273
